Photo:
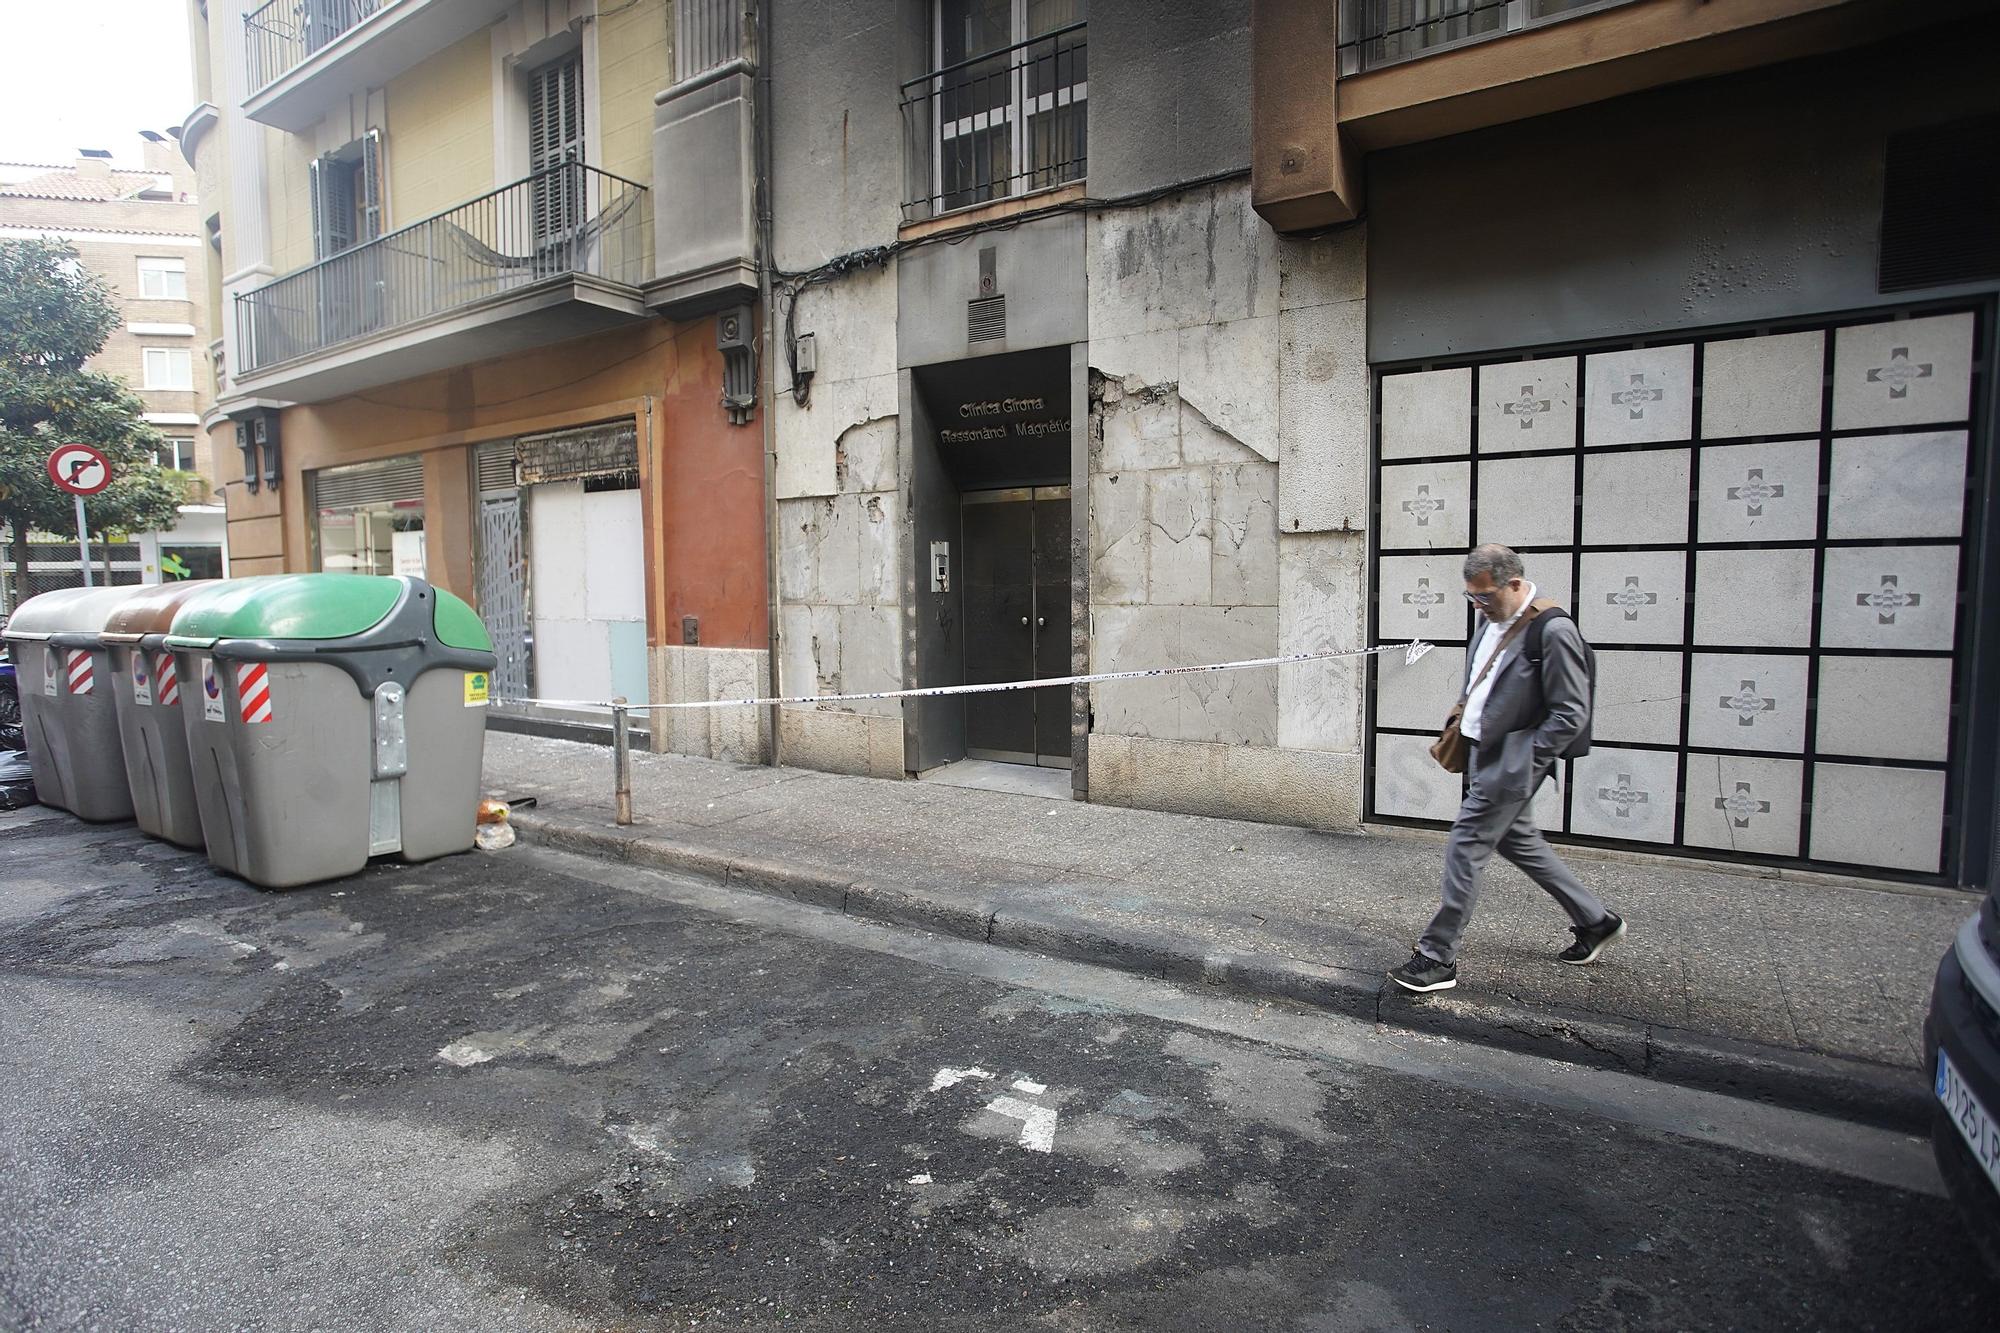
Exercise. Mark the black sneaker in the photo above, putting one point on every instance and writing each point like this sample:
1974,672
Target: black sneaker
1424,973
1592,940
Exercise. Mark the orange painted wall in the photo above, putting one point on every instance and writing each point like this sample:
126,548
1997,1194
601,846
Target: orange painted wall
711,567
701,478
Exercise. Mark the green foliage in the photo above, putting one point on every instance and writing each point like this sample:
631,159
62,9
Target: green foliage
54,315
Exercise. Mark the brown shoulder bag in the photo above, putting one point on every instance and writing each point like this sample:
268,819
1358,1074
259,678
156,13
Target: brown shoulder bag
1452,749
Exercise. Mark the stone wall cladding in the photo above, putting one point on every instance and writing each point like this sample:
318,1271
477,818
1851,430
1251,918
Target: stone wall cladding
741,735
1229,507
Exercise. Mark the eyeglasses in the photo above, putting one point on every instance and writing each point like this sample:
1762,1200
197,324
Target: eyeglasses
1482,598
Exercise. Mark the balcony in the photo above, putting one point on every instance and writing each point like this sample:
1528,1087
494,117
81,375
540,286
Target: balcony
302,57
1011,122
1377,33
558,254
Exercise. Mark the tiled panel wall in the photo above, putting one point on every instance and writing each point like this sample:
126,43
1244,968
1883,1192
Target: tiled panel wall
1762,538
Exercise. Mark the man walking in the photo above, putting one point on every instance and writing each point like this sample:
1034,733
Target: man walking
1522,710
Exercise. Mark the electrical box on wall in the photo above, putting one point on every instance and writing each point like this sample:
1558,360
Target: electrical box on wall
940,566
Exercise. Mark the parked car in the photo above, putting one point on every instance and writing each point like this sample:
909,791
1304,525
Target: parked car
1962,1053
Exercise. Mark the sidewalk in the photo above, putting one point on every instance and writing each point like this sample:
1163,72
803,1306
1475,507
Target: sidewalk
1805,991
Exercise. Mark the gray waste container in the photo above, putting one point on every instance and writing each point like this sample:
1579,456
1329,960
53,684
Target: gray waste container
68,715
149,698
331,718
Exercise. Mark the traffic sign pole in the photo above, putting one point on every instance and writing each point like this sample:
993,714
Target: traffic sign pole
81,470
83,542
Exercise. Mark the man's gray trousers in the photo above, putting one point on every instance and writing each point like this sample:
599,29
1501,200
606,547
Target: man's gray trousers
1484,826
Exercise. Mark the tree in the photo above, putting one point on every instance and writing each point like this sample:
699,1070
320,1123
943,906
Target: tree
55,315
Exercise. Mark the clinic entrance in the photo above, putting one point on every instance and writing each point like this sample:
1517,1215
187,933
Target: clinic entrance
991,475
1017,622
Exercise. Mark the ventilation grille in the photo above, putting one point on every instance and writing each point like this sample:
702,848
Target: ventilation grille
496,467
400,482
986,319
1941,205
607,450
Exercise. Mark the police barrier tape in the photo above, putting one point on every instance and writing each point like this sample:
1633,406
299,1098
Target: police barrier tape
1411,651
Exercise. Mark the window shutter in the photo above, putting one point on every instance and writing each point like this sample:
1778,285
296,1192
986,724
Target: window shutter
399,482
315,173
371,185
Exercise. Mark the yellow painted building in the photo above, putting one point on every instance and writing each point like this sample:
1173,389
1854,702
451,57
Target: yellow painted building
450,346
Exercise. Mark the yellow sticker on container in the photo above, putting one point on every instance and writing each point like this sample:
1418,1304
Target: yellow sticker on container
477,684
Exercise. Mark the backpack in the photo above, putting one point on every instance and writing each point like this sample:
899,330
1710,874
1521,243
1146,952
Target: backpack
1537,629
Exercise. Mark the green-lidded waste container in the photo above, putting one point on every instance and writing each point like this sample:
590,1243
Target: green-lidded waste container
331,718
146,685
63,673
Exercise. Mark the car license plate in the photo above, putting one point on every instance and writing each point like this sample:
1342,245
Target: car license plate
1976,1124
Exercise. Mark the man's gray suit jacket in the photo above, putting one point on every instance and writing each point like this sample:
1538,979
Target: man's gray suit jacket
1530,718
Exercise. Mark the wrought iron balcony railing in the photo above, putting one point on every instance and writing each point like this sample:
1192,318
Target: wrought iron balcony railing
564,220
1008,122
277,37
1374,33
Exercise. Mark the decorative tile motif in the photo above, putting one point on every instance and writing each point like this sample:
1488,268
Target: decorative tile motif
1636,499
1639,397
1906,372
1638,697
1419,696
1884,707
1747,702
1527,405
1762,386
1741,804
1628,794
1760,492
1527,501
1427,506
1633,597
1408,782
1897,486
1754,599
1877,816
1889,597
1428,412
1420,597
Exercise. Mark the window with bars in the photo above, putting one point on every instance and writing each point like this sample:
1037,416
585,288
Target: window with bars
1007,105
555,136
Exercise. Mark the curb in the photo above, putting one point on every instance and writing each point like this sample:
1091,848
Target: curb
1883,1095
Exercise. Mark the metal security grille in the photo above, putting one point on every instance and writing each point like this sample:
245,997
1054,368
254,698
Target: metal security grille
369,484
986,319
503,595
494,465
1941,205
607,450
1767,535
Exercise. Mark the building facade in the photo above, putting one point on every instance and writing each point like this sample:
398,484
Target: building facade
450,344
138,228
1088,359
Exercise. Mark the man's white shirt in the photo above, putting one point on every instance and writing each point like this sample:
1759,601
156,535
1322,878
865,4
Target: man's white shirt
1475,703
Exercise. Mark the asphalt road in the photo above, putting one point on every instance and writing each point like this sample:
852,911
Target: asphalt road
529,1091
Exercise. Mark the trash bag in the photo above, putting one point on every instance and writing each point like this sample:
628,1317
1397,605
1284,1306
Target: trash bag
11,737
17,781
493,837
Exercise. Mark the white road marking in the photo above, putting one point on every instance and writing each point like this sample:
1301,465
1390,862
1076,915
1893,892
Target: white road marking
1029,1086
1038,1123
464,1054
949,1077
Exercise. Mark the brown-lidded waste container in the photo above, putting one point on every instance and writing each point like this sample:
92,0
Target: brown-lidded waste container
146,683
